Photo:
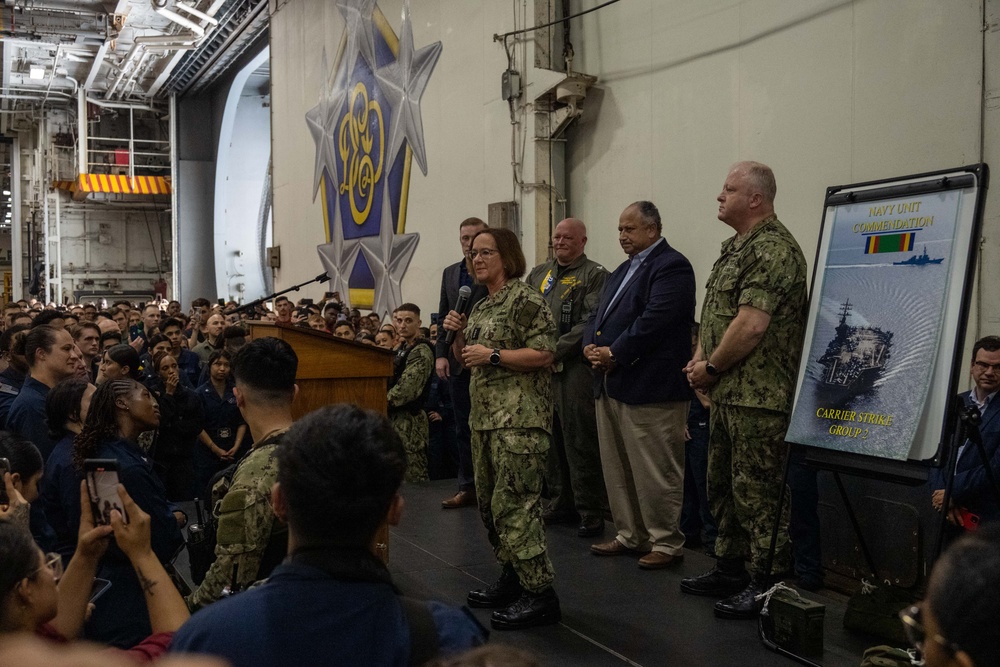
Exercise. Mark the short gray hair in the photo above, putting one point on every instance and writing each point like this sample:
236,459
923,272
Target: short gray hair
761,179
650,214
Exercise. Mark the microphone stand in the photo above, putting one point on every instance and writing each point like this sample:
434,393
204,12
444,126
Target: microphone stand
321,278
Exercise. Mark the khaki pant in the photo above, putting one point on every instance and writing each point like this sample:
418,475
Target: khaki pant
642,453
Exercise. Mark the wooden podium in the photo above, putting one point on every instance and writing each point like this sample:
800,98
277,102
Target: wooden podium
331,369
334,370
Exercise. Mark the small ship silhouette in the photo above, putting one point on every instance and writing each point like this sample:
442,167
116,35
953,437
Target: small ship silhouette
919,260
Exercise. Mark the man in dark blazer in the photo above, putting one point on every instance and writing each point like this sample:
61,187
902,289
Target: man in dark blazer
638,341
972,490
450,370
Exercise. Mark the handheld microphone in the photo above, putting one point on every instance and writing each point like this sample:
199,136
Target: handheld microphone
464,292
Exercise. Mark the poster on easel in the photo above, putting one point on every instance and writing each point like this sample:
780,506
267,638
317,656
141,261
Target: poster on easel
886,315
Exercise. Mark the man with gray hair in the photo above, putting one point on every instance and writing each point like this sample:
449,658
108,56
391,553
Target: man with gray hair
571,284
752,323
638,340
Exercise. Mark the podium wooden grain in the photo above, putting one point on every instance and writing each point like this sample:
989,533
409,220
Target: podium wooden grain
333,370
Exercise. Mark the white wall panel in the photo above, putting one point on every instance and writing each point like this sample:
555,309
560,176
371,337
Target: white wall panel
826,92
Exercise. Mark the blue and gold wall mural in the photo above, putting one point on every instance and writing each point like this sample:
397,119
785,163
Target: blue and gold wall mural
368,130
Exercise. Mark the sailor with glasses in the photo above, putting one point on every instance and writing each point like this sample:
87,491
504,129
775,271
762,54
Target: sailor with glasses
956,625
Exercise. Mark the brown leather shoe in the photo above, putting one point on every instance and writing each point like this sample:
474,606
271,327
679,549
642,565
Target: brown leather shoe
460,499
612,548
657,560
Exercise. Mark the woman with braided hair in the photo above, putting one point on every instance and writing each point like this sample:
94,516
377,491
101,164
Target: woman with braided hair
119,411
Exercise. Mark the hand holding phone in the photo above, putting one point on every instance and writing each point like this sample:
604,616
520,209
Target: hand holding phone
91,542
102,488
133,538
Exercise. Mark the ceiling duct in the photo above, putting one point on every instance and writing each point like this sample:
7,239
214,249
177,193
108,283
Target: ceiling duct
240,23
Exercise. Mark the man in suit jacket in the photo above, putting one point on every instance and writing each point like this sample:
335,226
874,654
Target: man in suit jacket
639,340
972,490
450,370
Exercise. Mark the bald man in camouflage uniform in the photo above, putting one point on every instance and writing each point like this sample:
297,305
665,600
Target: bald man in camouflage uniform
571,284
752,323
409,388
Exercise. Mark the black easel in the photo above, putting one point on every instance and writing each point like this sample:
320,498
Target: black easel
963,426
321,278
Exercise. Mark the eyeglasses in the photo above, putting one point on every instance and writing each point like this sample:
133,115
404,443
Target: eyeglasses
916,634
485,253
983,366
53,562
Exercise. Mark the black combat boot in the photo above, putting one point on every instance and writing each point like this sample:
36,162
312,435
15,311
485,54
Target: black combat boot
506,590
528,611
744,604
726,578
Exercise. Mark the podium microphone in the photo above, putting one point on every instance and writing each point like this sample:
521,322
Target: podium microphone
464,292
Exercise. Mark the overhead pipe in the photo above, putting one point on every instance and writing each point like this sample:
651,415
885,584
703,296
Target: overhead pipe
120,105
31,89
168,49
165,73
55,65
131,77
68,7
178,40
34,98
180,20
82,129
196,13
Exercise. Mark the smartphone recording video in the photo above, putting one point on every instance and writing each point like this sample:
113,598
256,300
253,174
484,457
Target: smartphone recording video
102,487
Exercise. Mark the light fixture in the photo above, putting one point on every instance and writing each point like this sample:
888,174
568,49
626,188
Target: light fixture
6,193
36,72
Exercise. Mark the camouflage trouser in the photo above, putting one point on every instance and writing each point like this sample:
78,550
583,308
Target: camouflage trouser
414,431
509,464
745,462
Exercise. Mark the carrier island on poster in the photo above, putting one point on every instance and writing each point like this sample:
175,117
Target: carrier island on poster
876,331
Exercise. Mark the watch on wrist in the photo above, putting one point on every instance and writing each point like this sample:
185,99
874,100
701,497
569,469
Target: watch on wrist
495,357
711,370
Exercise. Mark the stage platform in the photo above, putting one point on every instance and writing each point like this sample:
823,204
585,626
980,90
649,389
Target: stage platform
613,612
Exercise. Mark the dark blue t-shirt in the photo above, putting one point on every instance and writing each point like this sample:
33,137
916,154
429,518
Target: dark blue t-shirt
303,617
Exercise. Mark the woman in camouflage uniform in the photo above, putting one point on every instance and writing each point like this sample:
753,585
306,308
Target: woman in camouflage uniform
508,342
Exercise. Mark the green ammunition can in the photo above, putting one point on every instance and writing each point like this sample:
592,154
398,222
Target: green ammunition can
797,623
